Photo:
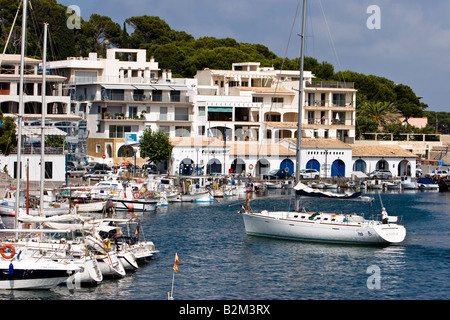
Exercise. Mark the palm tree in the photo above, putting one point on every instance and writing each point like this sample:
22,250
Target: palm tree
380,112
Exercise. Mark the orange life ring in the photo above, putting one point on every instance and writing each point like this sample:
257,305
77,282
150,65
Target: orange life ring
136,194
11,255
148,194
250,166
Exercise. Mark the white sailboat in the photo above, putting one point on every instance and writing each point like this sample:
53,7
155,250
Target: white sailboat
29,268
318,226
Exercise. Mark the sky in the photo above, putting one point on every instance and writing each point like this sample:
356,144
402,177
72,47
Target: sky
406,41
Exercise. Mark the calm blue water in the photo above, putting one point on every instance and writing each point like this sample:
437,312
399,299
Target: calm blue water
219,261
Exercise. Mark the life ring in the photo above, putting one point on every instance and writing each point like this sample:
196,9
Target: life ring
250,166
136,194
11,255
149,194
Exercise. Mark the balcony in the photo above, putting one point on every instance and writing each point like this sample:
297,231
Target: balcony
331,84
136,97
30,149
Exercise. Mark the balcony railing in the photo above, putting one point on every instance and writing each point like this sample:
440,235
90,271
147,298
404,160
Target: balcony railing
136,97
27,149
331,84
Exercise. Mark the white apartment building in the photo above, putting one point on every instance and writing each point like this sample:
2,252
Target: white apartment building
122,95
261,104
57,115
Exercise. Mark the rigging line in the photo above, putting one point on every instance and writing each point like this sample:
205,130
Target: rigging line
11,30
266,120
333,48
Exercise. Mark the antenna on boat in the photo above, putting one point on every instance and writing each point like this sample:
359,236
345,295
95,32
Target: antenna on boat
300,103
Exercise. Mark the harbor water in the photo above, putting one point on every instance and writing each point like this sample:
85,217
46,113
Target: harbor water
218,261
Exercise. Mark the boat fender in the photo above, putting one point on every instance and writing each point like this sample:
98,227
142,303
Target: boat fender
6,256
107,244
11,269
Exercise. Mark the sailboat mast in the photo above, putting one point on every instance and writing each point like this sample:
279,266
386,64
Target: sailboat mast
44,110
300,100
20,115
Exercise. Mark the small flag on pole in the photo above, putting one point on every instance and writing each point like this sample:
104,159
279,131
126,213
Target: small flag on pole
177,263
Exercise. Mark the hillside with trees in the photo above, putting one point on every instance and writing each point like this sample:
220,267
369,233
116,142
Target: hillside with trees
184,55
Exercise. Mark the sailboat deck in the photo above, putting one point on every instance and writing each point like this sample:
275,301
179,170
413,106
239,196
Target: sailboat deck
317,217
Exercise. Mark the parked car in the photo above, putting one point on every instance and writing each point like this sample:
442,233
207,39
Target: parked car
434,175
381,174
150,168
75,172
277,174
309,174
96,175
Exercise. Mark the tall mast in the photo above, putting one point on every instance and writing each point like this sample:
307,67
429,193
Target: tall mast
300,99
44,110
20,114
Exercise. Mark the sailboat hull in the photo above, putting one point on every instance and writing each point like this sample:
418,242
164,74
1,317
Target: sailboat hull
32,275
284,225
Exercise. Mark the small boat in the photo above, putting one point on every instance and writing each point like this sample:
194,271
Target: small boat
427,184
162,201
272,185
197,196
444,184
33,271
408,184
395,185
374,184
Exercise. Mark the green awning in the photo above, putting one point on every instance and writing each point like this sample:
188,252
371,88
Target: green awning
220,109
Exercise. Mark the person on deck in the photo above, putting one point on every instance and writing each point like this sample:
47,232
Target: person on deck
384,216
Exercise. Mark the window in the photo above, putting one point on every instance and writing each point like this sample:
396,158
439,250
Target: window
156,95
182,131
118,131
310,117
48,170
97,148
175,96
201,111
182,114
311,97
162,113
165,129
15,170
132,112
114,94
277,100
339,99
258,99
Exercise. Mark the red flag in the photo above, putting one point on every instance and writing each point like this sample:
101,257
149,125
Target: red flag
177,263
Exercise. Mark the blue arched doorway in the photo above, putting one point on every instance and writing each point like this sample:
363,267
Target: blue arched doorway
313,164
360,165
186,167
287,165
338,168
214,166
